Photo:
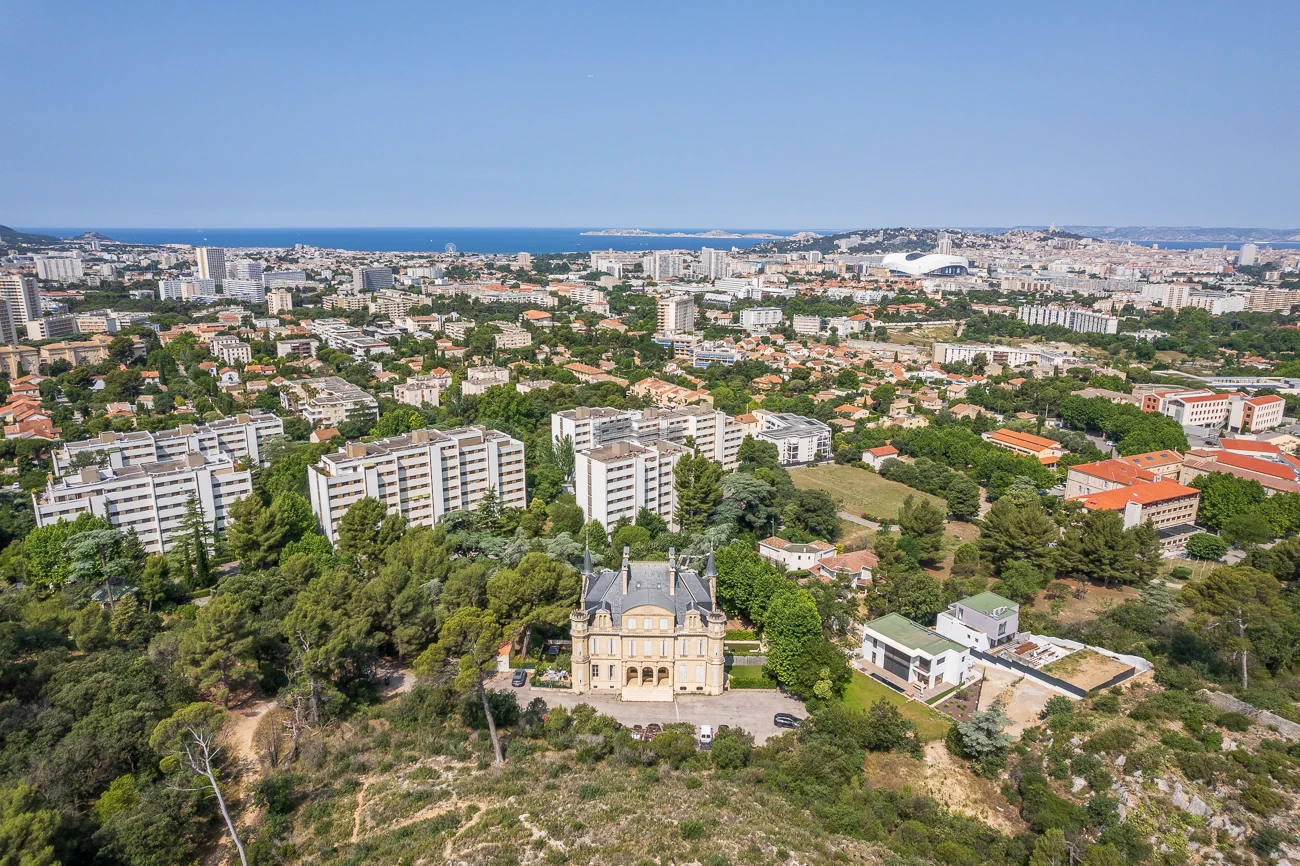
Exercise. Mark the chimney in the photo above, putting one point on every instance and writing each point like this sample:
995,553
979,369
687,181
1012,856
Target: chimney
672,571
356,449
108,437
89,474
243,418
627,567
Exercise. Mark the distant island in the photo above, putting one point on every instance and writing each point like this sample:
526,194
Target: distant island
715,233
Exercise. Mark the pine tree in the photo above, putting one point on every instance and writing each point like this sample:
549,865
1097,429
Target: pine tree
255,533
923,521
699,490
358,535
218,650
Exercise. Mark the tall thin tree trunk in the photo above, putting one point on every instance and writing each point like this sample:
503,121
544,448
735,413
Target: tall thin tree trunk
491,722
1241,632
225,813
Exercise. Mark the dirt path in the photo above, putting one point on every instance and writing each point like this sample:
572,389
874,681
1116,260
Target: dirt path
243,723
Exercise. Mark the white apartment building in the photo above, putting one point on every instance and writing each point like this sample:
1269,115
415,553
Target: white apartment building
479,379
418,390
97,322
716,434
245,291
240,437
421,475
807,325
302,348
392,304
8,330
150,499
23,296
1078,320
761,318
1217,303
511,336
210,264
271,279
1006,356
617,480
49,327
714,263
663,266
188,289
279,301
63,267
246,270
676,315
797,439
327,401
231,350
371,279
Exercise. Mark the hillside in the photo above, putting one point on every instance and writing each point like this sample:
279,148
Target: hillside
13,236
872,241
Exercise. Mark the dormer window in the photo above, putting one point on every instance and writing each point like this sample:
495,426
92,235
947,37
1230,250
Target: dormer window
631,623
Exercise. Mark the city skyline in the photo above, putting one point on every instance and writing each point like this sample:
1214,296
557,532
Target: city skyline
409,116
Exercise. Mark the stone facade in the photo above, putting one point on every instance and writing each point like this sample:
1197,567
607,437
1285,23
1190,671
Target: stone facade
647,631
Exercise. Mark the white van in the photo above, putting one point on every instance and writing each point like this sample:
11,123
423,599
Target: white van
706,735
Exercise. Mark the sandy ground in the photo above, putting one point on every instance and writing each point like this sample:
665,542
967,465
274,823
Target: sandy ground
947,780
1086,669
1023,699
243,722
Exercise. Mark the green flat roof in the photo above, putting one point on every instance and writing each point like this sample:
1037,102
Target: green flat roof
988,602
912,635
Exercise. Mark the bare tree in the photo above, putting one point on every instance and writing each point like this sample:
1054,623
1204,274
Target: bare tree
191,742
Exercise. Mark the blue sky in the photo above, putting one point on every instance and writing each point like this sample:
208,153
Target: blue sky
781,115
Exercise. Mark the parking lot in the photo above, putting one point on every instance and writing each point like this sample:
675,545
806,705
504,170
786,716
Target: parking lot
751,709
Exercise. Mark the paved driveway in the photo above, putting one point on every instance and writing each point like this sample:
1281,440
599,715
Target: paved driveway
751,709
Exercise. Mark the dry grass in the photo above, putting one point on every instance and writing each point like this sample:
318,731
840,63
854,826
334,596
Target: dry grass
1094,600
857,490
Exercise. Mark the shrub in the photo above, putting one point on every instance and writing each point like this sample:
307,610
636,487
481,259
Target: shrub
1112,740
1180,572
1238,723
1058,705
1262,800
692,830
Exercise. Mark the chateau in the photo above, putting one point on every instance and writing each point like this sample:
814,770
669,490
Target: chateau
648,631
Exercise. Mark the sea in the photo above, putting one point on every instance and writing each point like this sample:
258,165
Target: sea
467,240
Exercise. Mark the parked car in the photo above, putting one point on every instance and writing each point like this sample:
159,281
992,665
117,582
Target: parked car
785,720
519,678
706,735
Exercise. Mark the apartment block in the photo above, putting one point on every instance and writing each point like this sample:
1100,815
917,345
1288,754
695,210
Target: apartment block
150,499
421,475
418,390
237,438
479,379
51,327
371,279
1079,320
279,301
716,434
210,264
327,401
615,481
1169,506
797,439
23,296
231,350
676,315
301,349
761,318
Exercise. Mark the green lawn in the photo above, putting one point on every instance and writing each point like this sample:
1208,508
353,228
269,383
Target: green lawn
749,677
863,691
858,490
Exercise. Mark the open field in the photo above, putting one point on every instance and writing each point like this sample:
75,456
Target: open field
858,490
863,691
1086,668
1095,600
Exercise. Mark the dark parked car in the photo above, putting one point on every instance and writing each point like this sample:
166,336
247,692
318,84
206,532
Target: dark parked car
785,720
520,677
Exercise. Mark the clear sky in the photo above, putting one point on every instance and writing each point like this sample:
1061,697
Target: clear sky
703,114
